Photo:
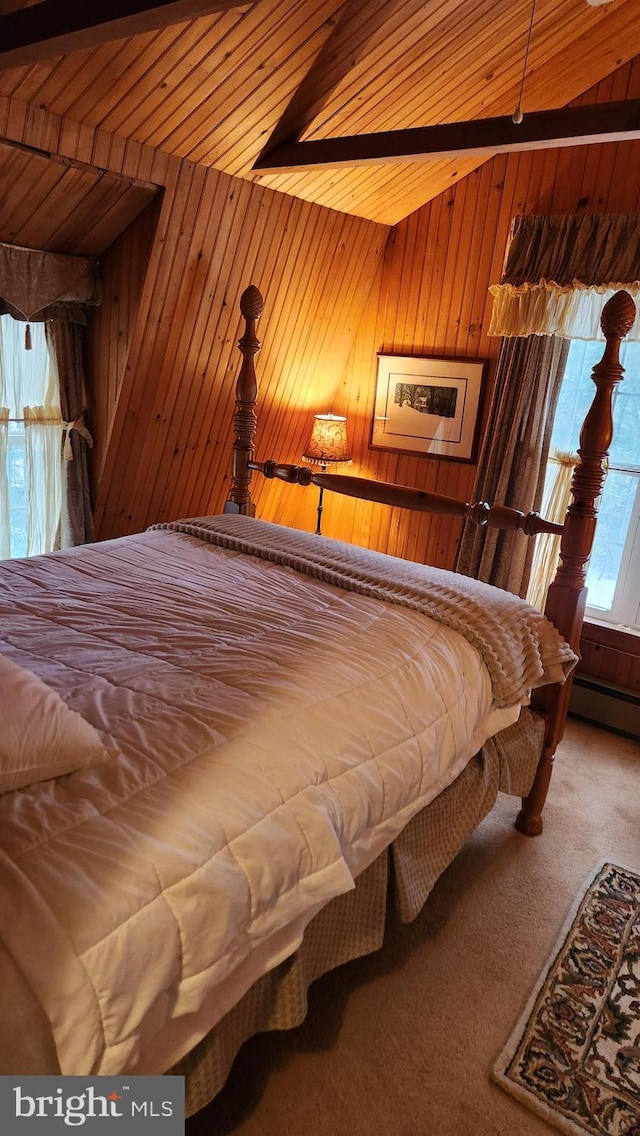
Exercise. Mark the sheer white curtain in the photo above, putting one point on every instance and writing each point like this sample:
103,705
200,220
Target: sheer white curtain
555,502
5,524
29,389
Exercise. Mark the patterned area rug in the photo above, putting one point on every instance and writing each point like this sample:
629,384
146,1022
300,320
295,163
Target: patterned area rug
575,1055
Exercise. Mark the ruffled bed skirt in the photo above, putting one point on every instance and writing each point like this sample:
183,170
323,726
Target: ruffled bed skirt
353,925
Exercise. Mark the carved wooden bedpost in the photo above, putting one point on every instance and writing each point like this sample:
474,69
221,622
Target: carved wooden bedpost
567,594
244,422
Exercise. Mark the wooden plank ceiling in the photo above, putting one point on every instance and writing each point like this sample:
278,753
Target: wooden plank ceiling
70,207
219,88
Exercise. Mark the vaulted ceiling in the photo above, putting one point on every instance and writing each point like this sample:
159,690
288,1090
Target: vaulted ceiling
221,88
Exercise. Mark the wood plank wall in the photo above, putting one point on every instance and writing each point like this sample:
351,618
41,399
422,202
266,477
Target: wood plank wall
611,655
169,451
434,299
123,268
162,396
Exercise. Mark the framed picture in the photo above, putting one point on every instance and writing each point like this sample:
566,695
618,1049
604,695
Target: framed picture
428,406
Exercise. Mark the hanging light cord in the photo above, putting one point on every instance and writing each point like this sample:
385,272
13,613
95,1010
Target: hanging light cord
517,115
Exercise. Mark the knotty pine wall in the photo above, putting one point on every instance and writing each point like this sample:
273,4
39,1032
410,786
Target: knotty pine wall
434,299
123,269
169,451
163,358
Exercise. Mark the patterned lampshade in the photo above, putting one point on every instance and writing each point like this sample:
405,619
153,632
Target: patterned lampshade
328,441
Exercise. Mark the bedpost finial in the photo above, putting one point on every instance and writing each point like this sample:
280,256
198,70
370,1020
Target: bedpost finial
251,303
618,315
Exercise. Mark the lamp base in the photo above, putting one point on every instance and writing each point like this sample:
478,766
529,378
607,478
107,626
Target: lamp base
319,513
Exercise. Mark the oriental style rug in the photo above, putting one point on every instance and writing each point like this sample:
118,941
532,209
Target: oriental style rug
574,1057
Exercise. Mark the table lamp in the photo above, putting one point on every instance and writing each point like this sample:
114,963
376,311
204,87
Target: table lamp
327,446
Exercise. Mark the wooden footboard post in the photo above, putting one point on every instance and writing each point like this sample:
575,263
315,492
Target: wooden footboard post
244,421
567,595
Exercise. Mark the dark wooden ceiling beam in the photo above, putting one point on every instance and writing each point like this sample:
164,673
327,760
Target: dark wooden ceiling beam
56,27
547,129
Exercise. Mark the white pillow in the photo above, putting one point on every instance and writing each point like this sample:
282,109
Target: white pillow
40,736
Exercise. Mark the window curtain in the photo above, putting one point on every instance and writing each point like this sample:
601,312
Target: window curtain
65,348
513,458
43,437
51,291
37,285
29,391
5,542
555,502
559,271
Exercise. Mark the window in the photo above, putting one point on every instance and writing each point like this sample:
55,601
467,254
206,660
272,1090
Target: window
613,576
31,448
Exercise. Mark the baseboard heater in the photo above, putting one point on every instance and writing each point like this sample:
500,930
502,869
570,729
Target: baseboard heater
606,704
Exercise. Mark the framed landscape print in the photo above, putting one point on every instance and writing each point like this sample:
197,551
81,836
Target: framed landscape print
428,406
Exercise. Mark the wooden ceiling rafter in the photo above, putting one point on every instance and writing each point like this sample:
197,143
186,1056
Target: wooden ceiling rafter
548,129
349,45
423,52
54,27
333,67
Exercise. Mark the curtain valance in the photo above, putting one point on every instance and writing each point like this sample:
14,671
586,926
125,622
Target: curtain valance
38,286
560,271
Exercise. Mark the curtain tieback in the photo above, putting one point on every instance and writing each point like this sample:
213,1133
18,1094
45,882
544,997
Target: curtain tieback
564,458
77,424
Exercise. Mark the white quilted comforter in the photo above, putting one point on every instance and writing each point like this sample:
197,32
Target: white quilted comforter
272,734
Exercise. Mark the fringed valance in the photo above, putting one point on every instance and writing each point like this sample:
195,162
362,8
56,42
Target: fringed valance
572,312
38,286
560,271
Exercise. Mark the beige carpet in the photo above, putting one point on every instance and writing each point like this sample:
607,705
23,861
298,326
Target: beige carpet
402,1043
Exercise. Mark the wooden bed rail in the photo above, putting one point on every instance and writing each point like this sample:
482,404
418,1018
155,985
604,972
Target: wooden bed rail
386,493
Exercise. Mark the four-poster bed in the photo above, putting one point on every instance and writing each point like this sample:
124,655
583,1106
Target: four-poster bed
260,719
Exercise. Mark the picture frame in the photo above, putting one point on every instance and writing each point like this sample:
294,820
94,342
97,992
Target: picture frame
428,405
